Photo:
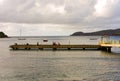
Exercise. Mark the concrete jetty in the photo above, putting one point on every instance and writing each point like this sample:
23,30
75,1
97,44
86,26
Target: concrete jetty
103,47
54,47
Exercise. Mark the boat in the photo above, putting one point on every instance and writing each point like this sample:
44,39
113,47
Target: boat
45,40
93,38
20,38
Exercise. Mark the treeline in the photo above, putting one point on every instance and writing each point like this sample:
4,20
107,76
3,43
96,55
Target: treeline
2,35
115,32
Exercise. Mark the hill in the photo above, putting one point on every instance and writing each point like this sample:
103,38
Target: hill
110,32
2,35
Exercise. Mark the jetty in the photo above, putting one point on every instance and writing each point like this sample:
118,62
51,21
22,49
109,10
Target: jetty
104,45
54,47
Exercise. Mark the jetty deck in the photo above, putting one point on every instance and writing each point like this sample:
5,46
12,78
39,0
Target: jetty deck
32,46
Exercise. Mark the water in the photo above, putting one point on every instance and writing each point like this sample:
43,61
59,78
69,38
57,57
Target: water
60,65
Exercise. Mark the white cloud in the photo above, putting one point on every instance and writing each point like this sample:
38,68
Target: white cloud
107,8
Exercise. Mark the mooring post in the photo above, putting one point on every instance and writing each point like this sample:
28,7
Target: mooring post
29,48
83,48
109,49
25,48
40,48
98,48
104,48
54,48
16,48
69,48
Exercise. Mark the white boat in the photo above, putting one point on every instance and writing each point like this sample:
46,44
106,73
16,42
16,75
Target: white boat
20,38
45,40
93,38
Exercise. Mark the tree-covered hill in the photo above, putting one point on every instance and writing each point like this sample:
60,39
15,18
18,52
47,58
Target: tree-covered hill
110,32
2,35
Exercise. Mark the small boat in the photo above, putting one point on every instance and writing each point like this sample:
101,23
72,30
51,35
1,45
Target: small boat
20,38
45,40
93,38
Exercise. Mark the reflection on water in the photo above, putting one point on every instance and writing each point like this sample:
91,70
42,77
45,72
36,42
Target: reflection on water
62,65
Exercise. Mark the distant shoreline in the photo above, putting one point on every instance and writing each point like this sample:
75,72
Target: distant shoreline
3,35
110,32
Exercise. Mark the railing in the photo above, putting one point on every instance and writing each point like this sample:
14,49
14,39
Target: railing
110,42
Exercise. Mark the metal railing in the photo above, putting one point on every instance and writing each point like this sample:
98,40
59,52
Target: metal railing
110,42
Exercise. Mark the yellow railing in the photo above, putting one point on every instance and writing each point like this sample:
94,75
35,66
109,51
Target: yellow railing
110,42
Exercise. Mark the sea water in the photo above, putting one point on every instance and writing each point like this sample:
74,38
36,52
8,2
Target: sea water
59,65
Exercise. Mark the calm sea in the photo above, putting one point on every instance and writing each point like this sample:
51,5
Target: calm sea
60,65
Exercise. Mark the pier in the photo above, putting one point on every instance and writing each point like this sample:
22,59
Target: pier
104,45
101,46
54,47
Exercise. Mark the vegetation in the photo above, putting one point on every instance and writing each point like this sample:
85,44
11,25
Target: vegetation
2,35
111,32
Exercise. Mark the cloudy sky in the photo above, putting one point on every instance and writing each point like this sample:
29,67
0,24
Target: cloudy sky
57,17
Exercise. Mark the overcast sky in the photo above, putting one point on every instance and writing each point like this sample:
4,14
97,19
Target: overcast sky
57,17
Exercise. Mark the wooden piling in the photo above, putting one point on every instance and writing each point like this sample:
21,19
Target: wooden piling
69,48
109,49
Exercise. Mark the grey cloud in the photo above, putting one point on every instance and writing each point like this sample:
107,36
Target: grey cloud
76,14
55,2
116,11
21,11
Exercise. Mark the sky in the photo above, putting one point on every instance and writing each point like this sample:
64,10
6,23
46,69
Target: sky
57,17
